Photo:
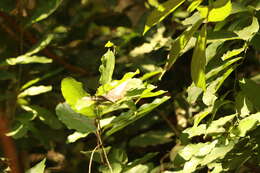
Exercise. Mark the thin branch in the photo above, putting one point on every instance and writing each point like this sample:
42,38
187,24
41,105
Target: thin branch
91,158
174,129
102,146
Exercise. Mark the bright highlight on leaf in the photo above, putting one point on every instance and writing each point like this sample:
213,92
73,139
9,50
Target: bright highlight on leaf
157,16
38,168
220,10
44,10
198,61
72,90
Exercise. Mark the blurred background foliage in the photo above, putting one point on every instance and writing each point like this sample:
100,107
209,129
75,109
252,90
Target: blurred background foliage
43,41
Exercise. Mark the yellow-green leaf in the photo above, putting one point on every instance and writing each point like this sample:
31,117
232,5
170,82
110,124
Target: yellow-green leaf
198,61
107,67
72,90
157,16
220,10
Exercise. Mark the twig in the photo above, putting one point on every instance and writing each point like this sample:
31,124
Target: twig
102,146
177,133
91,158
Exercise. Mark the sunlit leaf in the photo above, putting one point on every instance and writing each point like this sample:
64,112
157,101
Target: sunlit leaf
76,136
243,105
36,80
156,16
244,126
44,9
220,10
180,43
35,90
38,168
72,90
200,116
194,4
251,91
218,152
198,61
43,43
212,50
27,60
221,67
19,130
193,93
232,53
248,32
191,165
107,67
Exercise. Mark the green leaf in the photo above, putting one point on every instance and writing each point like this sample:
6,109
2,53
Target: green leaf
129,117
190,150
217,125
156,4
215,85
232,53
27,60
248,32
28,57
193,93
43,43
47,117
74,120
142,160
179,44
212,50
38,79
157,16
105,89
213,36
194,4
76,136
251,91
191,165
138,169
221,67
107,67
19,130
38,168
244,126
243,105
44,9
219,151
35,90
151,138
72,90
198,61
200,116
119,155
220,10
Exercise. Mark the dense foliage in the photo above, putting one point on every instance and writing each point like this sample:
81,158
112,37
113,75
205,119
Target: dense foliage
130,86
